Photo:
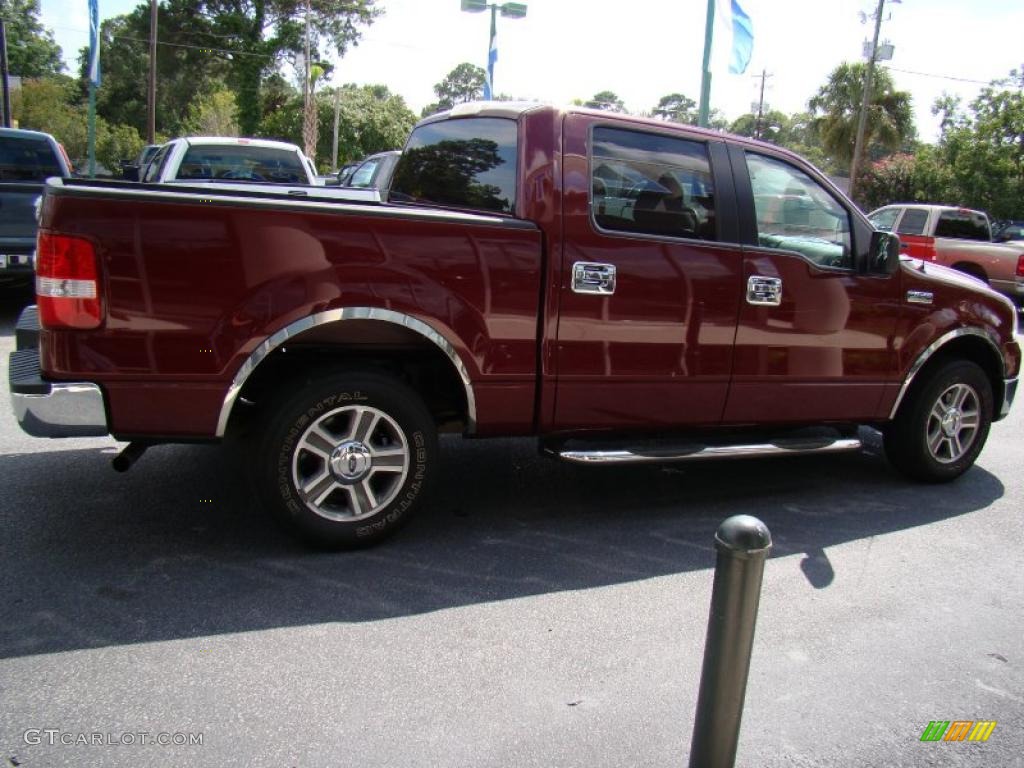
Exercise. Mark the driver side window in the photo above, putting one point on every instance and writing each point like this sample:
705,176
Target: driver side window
795,213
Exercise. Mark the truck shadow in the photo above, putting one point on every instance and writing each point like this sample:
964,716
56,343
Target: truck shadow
177,549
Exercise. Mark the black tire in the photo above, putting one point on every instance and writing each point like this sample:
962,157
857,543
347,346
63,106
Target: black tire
340,405
916,442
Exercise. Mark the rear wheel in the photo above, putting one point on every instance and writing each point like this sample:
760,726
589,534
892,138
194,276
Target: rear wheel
939,432
345,461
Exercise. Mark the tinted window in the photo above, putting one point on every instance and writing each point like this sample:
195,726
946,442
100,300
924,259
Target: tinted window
795,213
468,163
27,159
883,220
363,176
157,164
652,184
962,224
243,163
913,222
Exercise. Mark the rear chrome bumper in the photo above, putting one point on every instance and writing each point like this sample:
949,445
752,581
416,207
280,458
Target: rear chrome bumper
67,410
50,408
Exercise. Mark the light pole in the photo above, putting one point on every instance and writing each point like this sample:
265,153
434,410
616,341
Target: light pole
862,118
508,10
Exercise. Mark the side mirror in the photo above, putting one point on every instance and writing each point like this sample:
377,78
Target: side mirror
884,255
130,172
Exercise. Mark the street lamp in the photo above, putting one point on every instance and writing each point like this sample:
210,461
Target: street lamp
508,10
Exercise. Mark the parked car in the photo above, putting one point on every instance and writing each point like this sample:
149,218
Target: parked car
27,159
133,171
374,172
955,237
735,304
242,164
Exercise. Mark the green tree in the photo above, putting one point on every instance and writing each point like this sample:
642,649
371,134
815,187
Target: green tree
115,144
462,84
187,71
836,107
983,148
677,108
607,101
261,34
214,115
372,119
31,50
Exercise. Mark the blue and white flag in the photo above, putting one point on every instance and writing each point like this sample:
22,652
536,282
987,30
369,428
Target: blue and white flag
492,56
736,22
94,43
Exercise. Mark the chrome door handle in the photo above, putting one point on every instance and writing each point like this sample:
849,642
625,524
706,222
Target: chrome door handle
588,277
764,291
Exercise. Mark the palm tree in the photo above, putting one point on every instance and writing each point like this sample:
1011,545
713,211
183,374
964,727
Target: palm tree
836,107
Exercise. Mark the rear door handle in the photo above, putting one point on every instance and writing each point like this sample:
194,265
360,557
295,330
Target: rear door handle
764,291
589,277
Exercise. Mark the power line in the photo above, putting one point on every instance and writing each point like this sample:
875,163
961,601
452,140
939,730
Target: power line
940,77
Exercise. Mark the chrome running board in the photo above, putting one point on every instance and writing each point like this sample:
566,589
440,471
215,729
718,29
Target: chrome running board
627,456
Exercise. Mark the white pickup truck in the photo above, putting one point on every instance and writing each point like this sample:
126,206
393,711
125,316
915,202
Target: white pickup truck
960,238
243,164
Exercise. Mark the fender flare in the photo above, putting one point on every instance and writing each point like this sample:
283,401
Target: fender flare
930,350
292,330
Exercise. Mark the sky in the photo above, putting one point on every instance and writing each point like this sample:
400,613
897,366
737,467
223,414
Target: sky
644,49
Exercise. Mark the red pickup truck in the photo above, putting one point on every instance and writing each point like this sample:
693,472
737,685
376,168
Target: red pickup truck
623,289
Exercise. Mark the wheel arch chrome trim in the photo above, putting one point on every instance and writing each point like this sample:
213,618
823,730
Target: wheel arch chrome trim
298,327
929,352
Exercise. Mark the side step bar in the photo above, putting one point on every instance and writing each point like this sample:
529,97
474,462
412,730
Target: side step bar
698,453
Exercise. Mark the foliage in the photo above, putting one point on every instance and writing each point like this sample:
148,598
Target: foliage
186,72
31,50
261,34
677,108
213,115
48,104
464,83
371,119
835,110
978,162
607,101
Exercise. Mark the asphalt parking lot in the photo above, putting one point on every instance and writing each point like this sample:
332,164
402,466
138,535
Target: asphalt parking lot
537,614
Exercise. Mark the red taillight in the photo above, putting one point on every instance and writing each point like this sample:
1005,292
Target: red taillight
67,282
1020,265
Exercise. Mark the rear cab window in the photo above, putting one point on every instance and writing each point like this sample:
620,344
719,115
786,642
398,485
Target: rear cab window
650,183
242,163
466,163
964,225
27,158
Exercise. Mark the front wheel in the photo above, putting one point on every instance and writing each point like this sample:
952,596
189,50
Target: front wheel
346,460
938,434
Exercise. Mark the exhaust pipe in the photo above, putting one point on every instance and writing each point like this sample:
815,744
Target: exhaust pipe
128,456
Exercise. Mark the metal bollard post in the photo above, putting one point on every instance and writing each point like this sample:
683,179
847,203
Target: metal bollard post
742,542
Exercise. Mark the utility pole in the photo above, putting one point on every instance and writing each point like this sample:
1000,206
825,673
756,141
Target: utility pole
705,81
4,74
760,104
337,116
858,144
151,100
